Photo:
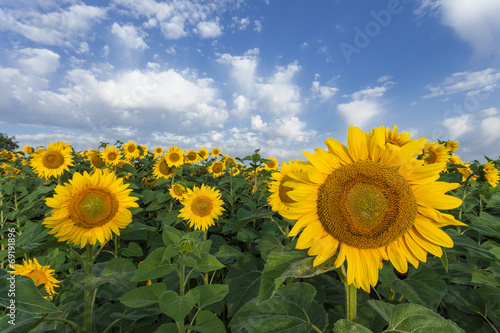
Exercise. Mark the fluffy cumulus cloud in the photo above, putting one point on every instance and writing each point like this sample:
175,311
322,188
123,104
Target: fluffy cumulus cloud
38,61
457,126
471,83
208,29
129,35
490,131
475,21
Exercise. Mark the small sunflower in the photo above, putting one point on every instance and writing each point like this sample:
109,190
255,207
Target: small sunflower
90,208
228,161
96,161
434,152
8,155
203,152
177,191
370,201
215,152
39,274
395,138
491,174
201,207
158,152
130,150
52,162
271,164
216,169
145,151
111,155
162,170
28,149
174,157
452,145
279,197
192,157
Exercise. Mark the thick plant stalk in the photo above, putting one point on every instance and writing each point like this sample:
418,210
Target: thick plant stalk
350,295
87,324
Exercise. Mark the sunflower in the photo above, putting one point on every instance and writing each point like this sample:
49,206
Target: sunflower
435,153
203,153
371,201
279,197
490,173
145,151
90,208
465,171
395,138
52,162
158,152
177,191
131,151
452,145
39,274
201,207
95,159
8,155
271,164
111,155
192,157
217,168
174,157
161,169
28,149
215,152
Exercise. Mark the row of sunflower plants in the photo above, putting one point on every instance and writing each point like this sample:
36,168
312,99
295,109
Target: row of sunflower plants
120,238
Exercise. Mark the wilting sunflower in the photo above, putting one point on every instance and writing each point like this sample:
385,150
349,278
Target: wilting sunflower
215,152
192,157
490,173
434,152
271,164
216,169
201,207
279,197
162,170
203,152
52,162
111,155
370,201
130,150
174,157
177,191
95,159
158,152
39,274
90,208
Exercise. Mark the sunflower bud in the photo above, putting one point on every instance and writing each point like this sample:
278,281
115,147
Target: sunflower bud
186,246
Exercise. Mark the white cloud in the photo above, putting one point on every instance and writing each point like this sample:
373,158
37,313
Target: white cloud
288,128
38,61
208,29
475,21
490,130
242,68
470,82
458,126
490,112
322,92
258,25
130,36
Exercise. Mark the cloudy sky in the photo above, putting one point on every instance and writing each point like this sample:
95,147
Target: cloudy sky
277,75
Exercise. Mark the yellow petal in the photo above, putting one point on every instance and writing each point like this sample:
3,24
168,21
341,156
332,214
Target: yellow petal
357,144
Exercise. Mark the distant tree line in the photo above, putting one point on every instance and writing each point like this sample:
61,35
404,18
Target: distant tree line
8,143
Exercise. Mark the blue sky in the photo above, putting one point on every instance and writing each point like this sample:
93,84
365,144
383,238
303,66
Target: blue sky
277,75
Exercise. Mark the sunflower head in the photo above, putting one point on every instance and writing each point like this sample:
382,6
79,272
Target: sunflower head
90,208
158,152
452,145
177,191
191,157
271,164
217,168
203,152
490,174
131,150
39,274
161,169
215,152
174,157
96,161
369,201
434,152
28,149
111,155
279,197
202,205
53,161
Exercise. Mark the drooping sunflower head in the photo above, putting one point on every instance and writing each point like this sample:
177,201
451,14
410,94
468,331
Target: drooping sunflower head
96,161
39,274
271,164
202,206
216,169
370,201
174,157
490,173
215,152
203,153
192,157
161,169
53,161
90,208
131,150
111,155
177,191
434,152
279,197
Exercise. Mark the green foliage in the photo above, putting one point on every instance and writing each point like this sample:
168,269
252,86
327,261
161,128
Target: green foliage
8,143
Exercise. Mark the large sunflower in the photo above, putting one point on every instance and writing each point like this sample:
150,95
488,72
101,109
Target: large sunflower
111,155
90,208
174,157
370,201
52,162
201,207
192,157
39,274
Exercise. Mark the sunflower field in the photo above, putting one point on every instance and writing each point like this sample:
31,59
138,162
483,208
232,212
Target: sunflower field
384,233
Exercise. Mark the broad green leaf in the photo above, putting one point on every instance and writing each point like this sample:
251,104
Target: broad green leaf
23,291
211,293
171,236
346,326
168,328
133,250
462,243
383,309
176,306
269,243
243,279
24,326
277,263
117,272
144,296
486,224
207,322
416,318
228,254
153,267
494,201
207,263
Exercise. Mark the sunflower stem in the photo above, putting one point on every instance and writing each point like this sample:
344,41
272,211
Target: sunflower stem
463,199
87,325
351,292
182,272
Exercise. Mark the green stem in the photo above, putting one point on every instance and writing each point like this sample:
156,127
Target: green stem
316,329
463,198
350,295
87,325
181,293
66,321
111,325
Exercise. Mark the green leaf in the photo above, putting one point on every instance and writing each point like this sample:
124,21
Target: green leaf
133,250
168,328
176,306
486,224
117,272
416,318
383,309
462,243
269,243
171,236
23,291
277,263
207,263
143,296
346,326
243,279
211,293
153,267
494,201
207,322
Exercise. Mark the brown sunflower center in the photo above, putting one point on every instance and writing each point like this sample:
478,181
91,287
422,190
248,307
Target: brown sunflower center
131,148
366,204
283,191
112,156
179,190
192,156
93,208
271,164
174,157
431,156
217,167
97,161
164,169
53,160
202,206
38,277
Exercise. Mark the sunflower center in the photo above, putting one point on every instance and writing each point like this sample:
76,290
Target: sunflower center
366,204
217,167
202,206
38,277
271,164
431,157
164,169
97,161
174,157
131,149
112,156
179,190
93,208
283,191
192,156
53,160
